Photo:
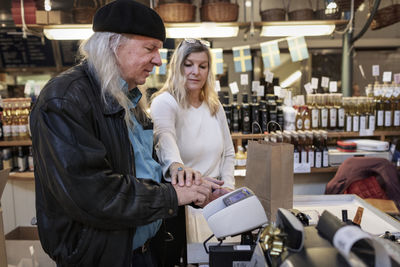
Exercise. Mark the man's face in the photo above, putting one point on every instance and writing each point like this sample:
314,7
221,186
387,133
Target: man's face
136,58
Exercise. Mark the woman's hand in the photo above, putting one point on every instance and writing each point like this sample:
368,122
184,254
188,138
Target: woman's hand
182,175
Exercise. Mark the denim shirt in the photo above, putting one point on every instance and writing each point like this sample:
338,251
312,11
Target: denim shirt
146,166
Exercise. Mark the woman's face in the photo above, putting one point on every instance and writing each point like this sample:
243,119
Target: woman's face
196,71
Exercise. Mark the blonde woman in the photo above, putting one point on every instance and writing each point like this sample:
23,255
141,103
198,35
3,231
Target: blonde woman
190,128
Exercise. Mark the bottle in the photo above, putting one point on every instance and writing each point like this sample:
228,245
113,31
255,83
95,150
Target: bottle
310,148
30,160
314,113
323,111
302,147
332,112
287,138
235,115
245,116
362,107
379,107
296,150
306,119
371,115
325,154
272,113
263,116
348,114
240,157
7,121
14,119
388,107
341,112
299,119
255,115
355,114
396,112
228,111
22,159
7,158
318,149
279,110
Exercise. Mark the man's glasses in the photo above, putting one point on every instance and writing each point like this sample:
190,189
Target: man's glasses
194,40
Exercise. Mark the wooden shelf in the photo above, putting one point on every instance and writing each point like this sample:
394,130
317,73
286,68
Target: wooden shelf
323,170
247,136
24,142
21,176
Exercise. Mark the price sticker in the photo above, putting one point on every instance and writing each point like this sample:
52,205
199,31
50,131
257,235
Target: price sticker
234,88
396,78
244,79
375,70
255,85
308,88
260,90
268,76
314,83
277,90
217,86
333,86
387,76
325,82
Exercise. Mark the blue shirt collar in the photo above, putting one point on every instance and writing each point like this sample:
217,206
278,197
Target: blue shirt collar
134,96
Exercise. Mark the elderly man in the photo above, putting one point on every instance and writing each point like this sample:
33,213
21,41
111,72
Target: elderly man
99,195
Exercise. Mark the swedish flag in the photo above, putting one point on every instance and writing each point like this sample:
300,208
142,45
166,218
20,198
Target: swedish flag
298,48
218,60
270,54
242,58
162,70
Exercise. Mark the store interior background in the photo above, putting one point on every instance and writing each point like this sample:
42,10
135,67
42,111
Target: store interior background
380,47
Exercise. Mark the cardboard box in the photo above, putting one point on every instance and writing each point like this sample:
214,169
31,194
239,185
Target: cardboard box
42,17
59,17
18,243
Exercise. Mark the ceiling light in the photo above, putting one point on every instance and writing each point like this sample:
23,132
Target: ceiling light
291,79
331,5
201,30
297,30
68,32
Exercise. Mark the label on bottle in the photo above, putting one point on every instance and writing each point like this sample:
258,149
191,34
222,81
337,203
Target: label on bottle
14,130
356,123
240,162
363,123
318,159
349,122
332,117
324,118
311,158
396,120
303,156
30,164
372,122
314,118
299,124
325,159
307,124
7,131
341,117
22,164
23,131
296,157
379,121
388,118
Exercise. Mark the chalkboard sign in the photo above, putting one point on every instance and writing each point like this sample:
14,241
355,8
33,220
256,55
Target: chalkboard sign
19,52
69,52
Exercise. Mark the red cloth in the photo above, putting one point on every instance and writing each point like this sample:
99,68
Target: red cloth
356,168
366,188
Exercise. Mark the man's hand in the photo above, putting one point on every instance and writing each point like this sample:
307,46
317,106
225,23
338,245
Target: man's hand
200,195
182,175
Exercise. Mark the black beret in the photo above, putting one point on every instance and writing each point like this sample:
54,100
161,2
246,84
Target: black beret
128,16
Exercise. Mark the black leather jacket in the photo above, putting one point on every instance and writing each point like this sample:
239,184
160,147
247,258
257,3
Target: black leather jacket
88,200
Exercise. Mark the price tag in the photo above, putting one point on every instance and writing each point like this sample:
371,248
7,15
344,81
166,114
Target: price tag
277,90
314,83
308,88
387,76
283,93
333,87
302,168
268,76
244,79
234,88
325,82
396,78
260,90
366,132
217,86
375,70
255,85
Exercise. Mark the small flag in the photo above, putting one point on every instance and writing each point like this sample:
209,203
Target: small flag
242,58
162,70
298,48
270,54
218,60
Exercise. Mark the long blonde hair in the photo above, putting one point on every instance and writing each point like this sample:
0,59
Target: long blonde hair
176,80
100,52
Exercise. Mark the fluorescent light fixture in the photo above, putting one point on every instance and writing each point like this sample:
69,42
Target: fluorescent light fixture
297,30
331,5
202,30
68,32
291,79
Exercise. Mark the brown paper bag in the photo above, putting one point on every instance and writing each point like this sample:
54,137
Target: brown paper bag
269,174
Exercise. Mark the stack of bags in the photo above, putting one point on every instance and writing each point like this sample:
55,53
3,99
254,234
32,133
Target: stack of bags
30,7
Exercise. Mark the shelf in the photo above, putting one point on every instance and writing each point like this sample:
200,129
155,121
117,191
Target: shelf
26,176
247,136
300,22
24,142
